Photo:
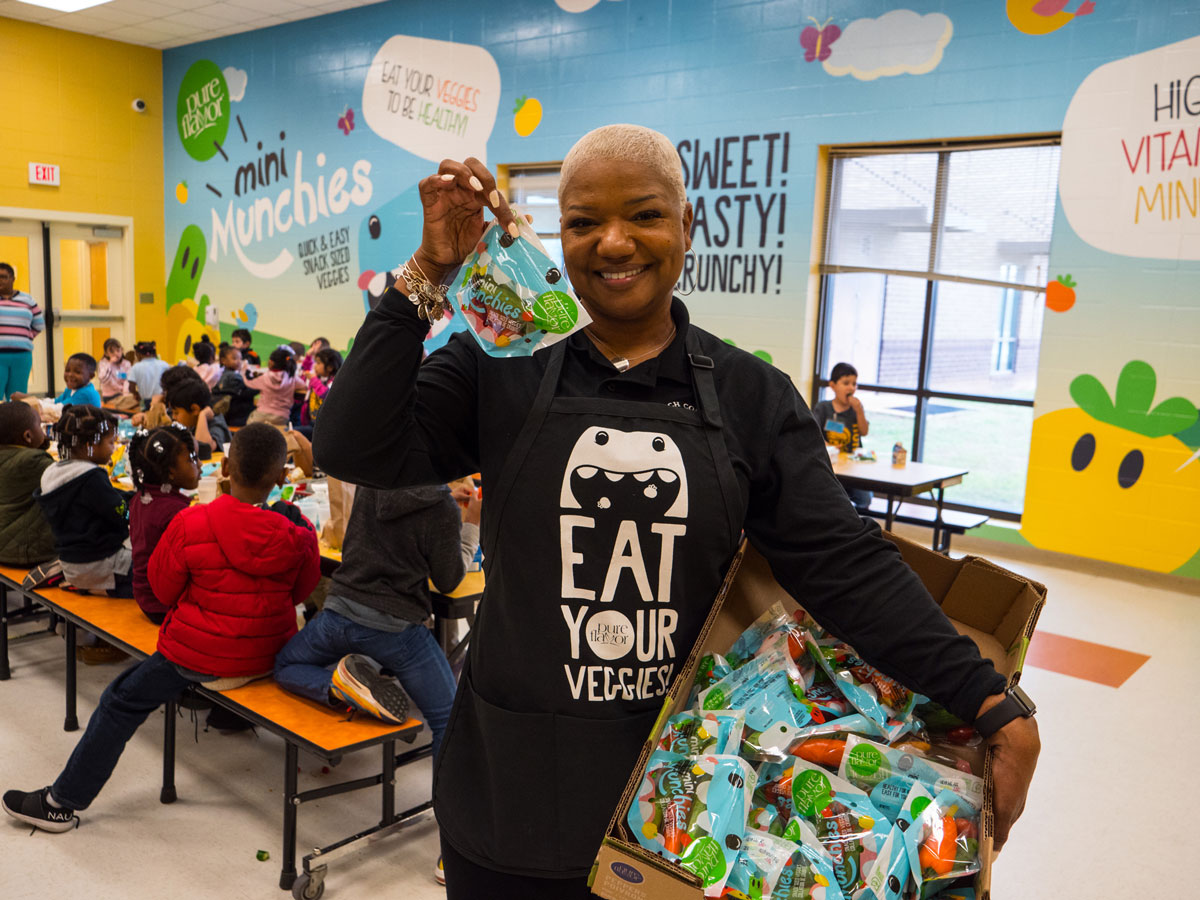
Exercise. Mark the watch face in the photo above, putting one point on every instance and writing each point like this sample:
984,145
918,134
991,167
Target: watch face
1024,700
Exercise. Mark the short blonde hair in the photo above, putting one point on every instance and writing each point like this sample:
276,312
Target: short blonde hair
638,144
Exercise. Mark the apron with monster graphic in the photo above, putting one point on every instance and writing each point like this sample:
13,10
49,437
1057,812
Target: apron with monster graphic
610,530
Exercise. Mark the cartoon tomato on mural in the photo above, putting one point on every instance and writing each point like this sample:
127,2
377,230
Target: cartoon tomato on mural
1108,480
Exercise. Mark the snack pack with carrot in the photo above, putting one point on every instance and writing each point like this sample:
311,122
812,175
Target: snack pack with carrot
774,708
846,823
888,772
943,842
693,810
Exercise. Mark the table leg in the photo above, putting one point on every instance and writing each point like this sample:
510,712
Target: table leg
4,671
291,760
167,794
889,518
937,522
389,783
72,721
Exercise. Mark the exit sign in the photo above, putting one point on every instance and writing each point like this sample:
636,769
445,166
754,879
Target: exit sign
43,173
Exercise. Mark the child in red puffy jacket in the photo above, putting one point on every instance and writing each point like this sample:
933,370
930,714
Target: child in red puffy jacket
231,574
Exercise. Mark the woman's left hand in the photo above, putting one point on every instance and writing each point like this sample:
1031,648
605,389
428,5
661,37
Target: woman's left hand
1014,750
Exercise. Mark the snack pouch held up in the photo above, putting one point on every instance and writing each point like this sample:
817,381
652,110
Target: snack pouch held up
886,773
846,823
696,733
774,714
692,810
887,703
513,295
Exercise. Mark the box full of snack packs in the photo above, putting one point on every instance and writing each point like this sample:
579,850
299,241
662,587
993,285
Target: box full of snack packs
784,767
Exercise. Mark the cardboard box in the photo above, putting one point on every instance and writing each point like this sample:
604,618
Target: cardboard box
996,608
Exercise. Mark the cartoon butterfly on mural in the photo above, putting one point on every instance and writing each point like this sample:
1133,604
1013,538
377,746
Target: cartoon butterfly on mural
818,38
346,121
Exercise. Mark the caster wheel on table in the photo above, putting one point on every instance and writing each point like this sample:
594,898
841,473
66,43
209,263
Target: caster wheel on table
305,887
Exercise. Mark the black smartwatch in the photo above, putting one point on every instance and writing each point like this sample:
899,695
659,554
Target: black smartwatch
1015,703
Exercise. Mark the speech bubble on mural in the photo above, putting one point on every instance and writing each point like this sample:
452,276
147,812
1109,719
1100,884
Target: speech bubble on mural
436,99
1129,178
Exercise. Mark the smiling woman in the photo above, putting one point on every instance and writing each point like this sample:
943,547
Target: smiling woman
622,468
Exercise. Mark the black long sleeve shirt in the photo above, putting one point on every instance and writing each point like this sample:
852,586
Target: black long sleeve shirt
391,420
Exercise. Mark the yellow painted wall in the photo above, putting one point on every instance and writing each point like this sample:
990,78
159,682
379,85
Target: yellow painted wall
67,100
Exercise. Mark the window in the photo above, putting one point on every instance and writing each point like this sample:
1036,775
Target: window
534,189
932,286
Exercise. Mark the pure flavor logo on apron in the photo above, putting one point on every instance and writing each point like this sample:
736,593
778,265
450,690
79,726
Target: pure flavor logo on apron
624,504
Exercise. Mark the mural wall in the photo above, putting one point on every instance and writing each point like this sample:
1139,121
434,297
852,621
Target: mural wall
292,160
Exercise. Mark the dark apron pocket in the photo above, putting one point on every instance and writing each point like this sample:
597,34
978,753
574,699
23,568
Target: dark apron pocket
491,790
594,762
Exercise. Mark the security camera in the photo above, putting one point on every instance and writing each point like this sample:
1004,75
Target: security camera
139,105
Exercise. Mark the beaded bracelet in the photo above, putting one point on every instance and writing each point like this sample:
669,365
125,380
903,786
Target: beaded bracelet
429,298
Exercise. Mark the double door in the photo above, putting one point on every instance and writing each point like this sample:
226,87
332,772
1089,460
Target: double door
86,297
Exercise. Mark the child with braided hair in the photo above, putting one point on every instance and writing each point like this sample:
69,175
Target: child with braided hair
164,464
87,515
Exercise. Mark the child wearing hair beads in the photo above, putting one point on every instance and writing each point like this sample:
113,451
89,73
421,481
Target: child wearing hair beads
277,385
164,464
86,513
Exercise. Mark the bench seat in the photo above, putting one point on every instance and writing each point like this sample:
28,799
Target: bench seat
953,521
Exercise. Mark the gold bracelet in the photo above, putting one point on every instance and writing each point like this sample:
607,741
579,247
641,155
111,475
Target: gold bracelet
429,298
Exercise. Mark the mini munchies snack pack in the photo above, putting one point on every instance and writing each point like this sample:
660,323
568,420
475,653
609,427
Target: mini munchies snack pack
513,295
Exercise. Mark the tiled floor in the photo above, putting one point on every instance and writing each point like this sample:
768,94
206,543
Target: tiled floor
1107,816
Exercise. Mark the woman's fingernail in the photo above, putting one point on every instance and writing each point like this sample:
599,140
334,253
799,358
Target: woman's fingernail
494,199
475,183
514,230
447,177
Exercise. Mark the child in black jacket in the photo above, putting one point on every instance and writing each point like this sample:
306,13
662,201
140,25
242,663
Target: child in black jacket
88,516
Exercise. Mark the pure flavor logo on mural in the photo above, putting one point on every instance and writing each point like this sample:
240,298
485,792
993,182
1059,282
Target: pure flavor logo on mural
624,501
202,110
436,99
1130,175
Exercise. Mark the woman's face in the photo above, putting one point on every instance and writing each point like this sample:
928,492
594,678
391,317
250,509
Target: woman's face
6,283
624,236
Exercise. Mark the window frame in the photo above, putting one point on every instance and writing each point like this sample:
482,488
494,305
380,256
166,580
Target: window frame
922,394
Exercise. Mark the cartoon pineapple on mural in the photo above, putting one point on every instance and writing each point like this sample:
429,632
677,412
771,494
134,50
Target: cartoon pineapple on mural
1108,480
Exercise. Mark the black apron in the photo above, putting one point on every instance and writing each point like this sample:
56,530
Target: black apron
610,529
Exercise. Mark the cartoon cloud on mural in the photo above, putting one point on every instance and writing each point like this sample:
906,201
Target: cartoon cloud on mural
900,42
578,6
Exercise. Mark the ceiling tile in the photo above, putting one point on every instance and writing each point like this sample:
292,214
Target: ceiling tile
26,12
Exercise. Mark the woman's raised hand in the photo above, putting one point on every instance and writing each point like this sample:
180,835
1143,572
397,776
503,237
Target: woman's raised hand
454,201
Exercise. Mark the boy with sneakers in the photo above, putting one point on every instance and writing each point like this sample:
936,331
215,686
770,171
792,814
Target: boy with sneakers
231,574
378,602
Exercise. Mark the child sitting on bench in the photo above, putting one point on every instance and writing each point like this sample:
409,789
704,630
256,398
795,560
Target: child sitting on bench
231,574
89,517
25,536
163,463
